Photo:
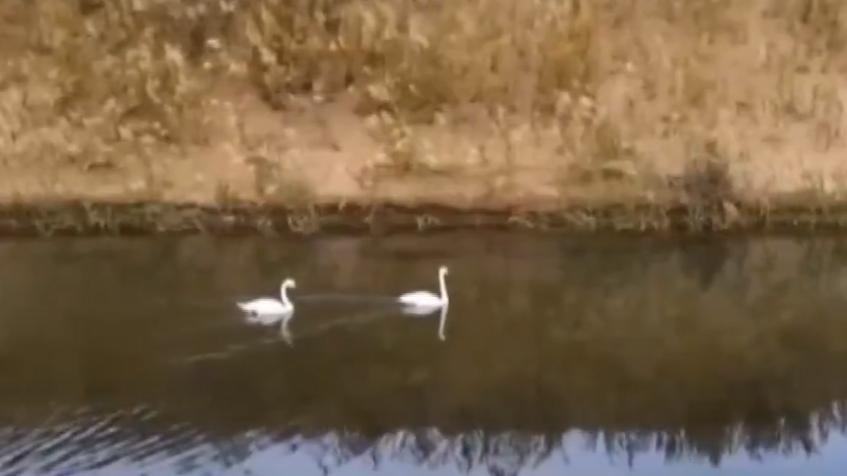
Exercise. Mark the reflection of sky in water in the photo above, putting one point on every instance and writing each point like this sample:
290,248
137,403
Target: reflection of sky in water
258,455
831,459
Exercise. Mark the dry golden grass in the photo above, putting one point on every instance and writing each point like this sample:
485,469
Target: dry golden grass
498,102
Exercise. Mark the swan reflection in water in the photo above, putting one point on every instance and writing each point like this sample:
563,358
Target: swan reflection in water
419,311
285,331
416,311
283,319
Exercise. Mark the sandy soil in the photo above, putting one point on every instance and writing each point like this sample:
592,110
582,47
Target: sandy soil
314,154
321,153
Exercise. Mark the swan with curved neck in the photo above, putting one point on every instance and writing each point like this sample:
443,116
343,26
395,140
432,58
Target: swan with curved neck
270,307
426,299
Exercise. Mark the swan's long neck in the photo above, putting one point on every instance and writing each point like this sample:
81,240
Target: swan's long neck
444,296
284,294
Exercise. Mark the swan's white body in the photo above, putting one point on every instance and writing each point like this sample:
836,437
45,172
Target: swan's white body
269,310
425,300
266,313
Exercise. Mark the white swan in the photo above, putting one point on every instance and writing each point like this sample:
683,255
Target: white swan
269,310
426,299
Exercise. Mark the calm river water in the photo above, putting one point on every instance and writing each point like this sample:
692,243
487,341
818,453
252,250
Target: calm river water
557,355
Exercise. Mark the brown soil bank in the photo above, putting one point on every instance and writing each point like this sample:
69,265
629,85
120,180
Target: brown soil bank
656,114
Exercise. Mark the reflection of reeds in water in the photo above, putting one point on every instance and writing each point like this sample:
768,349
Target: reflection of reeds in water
139,438
86,441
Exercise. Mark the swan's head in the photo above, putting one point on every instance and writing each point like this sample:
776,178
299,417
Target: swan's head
443,271
289,283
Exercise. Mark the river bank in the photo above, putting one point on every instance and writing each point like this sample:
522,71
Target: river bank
230,116
87,218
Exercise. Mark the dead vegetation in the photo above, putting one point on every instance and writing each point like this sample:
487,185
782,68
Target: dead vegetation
502,103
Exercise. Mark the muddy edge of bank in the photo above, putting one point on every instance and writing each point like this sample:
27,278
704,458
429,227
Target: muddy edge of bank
80,218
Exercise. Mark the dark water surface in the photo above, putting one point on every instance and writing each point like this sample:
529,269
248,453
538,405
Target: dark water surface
583,356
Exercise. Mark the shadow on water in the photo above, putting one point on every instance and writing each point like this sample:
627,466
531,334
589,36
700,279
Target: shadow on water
674,357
